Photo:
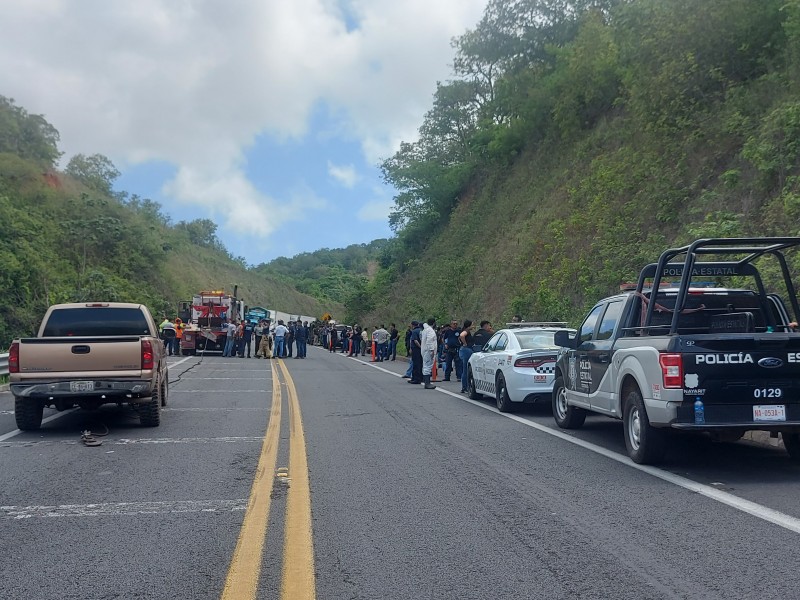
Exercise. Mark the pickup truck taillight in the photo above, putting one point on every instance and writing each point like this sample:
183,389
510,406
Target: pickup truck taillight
147,355
13,358
671,370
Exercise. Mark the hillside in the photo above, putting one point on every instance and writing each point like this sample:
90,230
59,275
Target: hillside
66,236
605,132
575,141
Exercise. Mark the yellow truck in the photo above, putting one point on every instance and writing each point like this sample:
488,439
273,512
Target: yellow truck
90,354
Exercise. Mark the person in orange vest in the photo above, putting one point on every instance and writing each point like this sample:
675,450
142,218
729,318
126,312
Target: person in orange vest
179,327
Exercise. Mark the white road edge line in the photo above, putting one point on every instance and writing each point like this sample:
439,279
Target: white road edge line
752,508
369,364
16,432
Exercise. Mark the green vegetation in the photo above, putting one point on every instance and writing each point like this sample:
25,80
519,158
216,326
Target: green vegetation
335,276
65,236
576,140
579,139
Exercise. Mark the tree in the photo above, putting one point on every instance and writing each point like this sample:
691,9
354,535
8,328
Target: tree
96,172
201,232
27,136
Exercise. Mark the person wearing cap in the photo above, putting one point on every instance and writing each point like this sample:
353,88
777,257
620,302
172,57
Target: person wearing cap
167,334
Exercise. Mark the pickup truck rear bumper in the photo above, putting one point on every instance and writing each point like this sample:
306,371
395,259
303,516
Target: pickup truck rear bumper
751,426
735,416
129,390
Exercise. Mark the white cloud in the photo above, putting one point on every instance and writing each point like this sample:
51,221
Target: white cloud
346,175
377,210
194,82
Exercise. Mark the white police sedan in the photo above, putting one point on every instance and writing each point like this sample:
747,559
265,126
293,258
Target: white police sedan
515,366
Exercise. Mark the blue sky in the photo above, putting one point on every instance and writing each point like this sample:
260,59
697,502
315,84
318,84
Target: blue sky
268,117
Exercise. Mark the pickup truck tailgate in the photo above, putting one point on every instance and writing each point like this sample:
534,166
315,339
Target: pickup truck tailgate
77,356
732,376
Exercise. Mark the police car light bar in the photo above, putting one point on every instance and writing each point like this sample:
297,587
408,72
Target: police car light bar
536,324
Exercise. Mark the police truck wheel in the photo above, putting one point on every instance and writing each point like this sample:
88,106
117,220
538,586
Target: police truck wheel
566,416
28,414
646,445
504,403
791,441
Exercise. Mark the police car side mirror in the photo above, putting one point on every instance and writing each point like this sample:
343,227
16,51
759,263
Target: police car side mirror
565,339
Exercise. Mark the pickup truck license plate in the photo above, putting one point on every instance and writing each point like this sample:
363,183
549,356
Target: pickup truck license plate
81,386
769,412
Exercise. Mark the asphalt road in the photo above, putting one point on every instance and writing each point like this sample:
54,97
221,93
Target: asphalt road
414,494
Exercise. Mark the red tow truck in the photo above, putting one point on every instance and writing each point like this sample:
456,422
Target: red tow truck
207,317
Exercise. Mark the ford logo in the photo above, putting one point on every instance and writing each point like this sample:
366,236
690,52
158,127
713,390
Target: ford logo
770,362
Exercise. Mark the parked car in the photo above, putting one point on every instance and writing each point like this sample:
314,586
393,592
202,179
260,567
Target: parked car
515,366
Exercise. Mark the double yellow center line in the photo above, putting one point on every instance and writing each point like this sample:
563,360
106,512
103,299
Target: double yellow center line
297,581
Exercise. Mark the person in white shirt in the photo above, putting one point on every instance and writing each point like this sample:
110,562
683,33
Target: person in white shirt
428,343
230,339
280,337
381,337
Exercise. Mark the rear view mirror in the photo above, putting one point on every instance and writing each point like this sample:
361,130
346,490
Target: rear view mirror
565,339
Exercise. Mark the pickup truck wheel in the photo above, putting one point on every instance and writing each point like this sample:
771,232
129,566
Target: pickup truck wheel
646,445
164,391
566,416
473,391
28,414
791,441
150,412
504,403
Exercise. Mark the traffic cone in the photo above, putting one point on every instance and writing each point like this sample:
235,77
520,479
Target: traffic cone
373,351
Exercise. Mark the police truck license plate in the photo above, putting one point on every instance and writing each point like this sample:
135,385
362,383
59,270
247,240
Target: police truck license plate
769,412
81,386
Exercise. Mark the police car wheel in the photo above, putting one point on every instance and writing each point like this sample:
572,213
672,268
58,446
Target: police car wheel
504,403
646,445
474,394
566,416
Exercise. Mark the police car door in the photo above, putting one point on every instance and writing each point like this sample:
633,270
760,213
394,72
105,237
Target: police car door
483,369
495,359
602,386
579,374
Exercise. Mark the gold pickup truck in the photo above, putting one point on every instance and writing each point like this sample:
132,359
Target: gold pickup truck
90,354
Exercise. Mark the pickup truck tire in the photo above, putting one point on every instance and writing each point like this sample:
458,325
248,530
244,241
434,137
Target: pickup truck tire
566,416
164,392
791,441
504,403
150,412
28,414
646,445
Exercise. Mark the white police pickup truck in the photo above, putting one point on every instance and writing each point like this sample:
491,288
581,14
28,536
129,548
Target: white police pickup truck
691,356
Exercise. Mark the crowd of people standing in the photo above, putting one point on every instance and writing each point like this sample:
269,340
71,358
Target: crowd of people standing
449,346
